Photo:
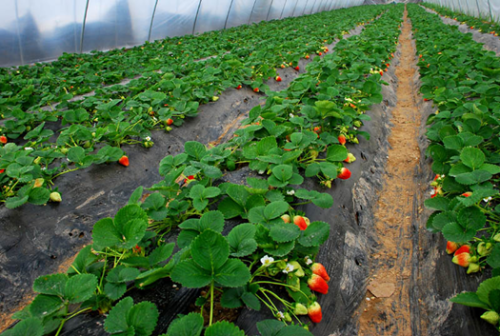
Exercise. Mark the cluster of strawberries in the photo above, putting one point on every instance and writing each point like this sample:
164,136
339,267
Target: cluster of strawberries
467,256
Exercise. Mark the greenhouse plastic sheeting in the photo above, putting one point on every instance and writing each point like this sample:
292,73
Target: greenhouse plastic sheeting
488,9
41,30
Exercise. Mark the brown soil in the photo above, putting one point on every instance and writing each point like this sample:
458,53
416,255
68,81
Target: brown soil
386,310
220,313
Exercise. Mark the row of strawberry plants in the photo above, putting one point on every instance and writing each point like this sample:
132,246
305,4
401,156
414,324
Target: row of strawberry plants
94,129
300,130
484,26
461,79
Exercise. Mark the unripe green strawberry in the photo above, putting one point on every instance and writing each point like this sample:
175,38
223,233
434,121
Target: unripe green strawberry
473,268
484,249
357,123
491,317
55,197
300,309
215,98
64,150
298,269
286,218
231,165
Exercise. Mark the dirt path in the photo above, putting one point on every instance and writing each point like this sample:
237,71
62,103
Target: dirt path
387,309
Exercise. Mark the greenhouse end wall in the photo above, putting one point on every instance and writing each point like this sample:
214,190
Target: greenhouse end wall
41,30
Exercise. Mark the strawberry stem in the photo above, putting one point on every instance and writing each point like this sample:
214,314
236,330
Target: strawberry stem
211,303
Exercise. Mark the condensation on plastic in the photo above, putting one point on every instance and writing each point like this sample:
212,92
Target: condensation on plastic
41,30
174,18
212,15
117,23
487,9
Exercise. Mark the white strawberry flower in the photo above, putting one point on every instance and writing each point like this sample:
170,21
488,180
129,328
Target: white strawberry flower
28,148
308,260
487,199
266,260
147,138
280,315
261,172
289,268
290,192
291,115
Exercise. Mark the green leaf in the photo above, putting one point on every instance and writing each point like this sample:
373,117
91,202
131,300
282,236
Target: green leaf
161,253
211,192
316,234
469,299
474,177
280,249
80,287
336,153
116,321
52,284
241,240
494,258
121,274
441,219
472,157
136,196
230,208
143,317
223,328
495,299
231,298
195,149
114,291
453,142
490,168
190,275
188,325
39,196
471,218
275,209
483,292
15,202
437,203
323,200
270,327
458,234
283,232
29,327
238,193
283,172
251,301
44,305
210,250
212,220
234,273
265,145
293,330
76,154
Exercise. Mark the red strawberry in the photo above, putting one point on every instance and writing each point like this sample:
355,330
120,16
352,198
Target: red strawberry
307,57
314,312
3,139
318,284
300,222
451,247
1,171
320,270
420,56
467,194
282,66
278,78
463,249
238,87
462,259
320,53
341,139
190,177
123,161
425,99
317,129
256,90
136,249
352,105
286,218
297,68
381,73
387,64
344,173
169,121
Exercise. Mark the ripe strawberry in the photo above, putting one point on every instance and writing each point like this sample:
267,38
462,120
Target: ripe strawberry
238,87
307,57
467,194
297,68
256,89
170,121
317,129
123,161
165,105
387,64
320,270
314,312
282,66
320,53
300,222
341,139
420,56
344,173
462,259
136,249
318,284
189,178
451,247
3,139
286,218
352,105
381,73
463,249
1,171
278,78
425,99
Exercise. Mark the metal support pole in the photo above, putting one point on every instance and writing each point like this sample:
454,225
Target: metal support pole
320,6
283,9
491,14
294,8
152,19
478,9
196,17
251,12
269,10
83,26
312,9
228,12
19,34
305,8
460,6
